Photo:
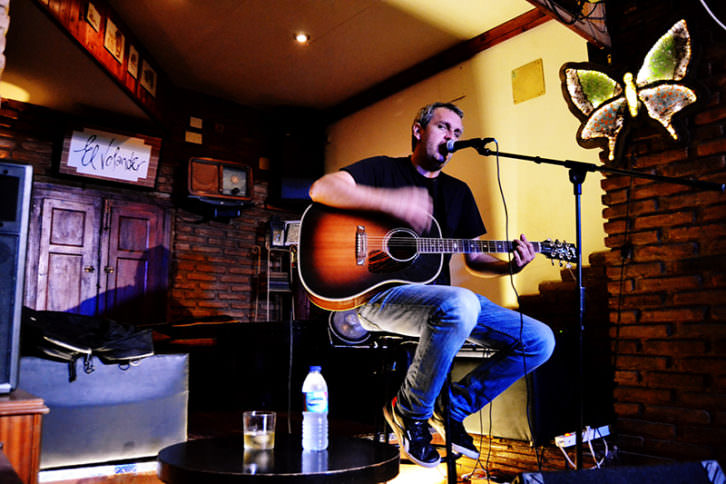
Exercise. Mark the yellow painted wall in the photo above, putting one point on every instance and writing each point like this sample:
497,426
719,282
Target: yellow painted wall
539,197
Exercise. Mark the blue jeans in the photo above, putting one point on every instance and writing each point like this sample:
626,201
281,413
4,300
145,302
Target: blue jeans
443,318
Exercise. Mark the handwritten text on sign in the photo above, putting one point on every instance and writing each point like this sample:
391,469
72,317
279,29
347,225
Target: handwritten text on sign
109,155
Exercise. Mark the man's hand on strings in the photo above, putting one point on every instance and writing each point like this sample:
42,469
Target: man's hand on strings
522,254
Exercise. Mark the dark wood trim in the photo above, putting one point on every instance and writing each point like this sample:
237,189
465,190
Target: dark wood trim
70,17
442,61
585,28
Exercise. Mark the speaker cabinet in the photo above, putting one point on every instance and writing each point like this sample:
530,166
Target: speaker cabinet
705,472
15,185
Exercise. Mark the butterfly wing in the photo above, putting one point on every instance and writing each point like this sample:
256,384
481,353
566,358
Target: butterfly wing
589,88
669,57
667,61
605,122
665,100
596,98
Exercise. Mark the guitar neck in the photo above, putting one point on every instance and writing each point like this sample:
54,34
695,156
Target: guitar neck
466,246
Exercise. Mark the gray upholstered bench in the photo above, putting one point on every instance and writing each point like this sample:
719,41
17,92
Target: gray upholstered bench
111,414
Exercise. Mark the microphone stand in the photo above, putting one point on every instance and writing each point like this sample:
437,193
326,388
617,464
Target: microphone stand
577,172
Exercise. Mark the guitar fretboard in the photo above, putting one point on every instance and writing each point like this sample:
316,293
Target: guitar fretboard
465,246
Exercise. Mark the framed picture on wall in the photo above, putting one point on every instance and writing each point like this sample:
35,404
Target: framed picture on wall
148,78
93,17
133,66
114,41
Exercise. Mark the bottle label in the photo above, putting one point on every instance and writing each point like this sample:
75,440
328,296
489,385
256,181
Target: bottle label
316,402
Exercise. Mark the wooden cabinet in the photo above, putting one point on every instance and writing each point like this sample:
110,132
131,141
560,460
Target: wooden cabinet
96,255
20,429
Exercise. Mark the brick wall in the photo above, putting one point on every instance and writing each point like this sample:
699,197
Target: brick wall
667,268
213,263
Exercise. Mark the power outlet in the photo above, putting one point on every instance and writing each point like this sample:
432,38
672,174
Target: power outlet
570,439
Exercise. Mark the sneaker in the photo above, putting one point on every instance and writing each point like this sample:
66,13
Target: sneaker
461,441
413,435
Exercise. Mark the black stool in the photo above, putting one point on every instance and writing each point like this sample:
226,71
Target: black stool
345,330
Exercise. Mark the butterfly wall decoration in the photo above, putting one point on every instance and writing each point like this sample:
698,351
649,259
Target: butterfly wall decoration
604,104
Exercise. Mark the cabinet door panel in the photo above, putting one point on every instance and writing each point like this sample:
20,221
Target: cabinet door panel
68,256
64,283
135,262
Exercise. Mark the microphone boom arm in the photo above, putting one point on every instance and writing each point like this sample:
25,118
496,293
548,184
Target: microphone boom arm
591,167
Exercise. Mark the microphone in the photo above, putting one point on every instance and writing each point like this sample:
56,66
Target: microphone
477,143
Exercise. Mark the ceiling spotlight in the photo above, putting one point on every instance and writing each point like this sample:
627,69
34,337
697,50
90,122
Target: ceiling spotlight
302,38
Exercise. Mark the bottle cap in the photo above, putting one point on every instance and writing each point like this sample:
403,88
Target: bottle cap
315,368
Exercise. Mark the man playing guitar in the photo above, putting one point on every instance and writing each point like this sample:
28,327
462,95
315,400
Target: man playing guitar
415,191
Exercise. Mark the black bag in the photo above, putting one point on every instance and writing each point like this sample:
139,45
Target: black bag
67,337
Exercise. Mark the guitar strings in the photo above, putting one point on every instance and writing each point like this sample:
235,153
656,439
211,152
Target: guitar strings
442,244
437,241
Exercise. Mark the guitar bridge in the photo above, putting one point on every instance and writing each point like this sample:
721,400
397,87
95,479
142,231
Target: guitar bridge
361,245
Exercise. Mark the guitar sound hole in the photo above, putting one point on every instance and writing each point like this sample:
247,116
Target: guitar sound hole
401,245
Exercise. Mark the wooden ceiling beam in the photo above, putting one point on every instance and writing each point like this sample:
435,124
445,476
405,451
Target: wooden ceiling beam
440,62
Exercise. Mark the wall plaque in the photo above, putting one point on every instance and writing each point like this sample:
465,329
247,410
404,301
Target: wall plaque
92,153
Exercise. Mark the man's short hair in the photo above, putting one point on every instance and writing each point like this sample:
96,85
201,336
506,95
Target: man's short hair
427,112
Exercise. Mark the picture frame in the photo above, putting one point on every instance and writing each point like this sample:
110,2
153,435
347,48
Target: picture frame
114,41
148,78
133,63
93,17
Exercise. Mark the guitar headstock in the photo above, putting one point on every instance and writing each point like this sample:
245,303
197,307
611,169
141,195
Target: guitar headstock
561,251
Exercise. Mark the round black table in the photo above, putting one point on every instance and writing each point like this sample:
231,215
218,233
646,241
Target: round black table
224,460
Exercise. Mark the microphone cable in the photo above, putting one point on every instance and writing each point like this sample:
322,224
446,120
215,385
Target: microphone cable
487,463
529,395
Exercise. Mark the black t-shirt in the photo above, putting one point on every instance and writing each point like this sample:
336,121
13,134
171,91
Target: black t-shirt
454,205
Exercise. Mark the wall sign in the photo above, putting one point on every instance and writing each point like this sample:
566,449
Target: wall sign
111,156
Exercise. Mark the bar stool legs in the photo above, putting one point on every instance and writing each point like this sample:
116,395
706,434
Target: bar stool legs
450,459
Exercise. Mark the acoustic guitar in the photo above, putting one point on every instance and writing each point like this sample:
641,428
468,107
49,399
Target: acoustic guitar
345,257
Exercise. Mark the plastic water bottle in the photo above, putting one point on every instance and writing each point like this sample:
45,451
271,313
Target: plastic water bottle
315,414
